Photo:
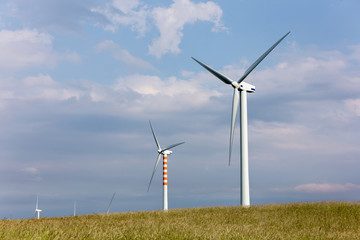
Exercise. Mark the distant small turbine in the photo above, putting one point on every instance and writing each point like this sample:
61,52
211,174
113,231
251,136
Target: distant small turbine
75,208
166,151
37,210
243,88
108,209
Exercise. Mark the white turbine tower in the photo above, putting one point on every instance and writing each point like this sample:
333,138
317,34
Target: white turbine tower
166,151
243,88
37,210
75,208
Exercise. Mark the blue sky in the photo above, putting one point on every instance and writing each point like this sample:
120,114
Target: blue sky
79,81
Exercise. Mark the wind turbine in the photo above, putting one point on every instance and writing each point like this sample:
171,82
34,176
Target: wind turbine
243,88
75,208
37,210
166,151
108,209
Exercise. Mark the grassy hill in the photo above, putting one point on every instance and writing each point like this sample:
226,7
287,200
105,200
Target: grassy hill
323,220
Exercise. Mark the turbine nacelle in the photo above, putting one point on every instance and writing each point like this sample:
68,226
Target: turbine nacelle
167,152
243,86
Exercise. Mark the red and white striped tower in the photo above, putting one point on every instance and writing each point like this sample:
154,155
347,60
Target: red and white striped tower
165,178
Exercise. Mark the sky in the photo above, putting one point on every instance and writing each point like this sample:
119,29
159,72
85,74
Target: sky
80,80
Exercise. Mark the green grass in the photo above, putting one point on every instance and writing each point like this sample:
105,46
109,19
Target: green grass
324,220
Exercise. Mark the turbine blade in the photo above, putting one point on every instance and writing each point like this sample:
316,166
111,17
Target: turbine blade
220,76
156,141
37,202
172,146
248,71
235,106
107,212
156,164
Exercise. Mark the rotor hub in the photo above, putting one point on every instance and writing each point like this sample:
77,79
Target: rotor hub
235,84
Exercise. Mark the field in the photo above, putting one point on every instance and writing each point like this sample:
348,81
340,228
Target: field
322,220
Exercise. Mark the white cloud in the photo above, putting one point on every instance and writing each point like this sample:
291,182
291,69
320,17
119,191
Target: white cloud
127,13
24,48
356,52
32,174
313,86
30,170
136,93
169,94
30,48
283,135
126,6
304,71
44,87
171,21
123,55
320,188
41,87
301,138
70,57
29,36
326,187
298,143
353,105
41,80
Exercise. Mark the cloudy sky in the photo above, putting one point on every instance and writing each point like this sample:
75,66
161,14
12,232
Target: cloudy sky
79,81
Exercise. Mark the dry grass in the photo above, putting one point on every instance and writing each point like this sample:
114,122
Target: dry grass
325,220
